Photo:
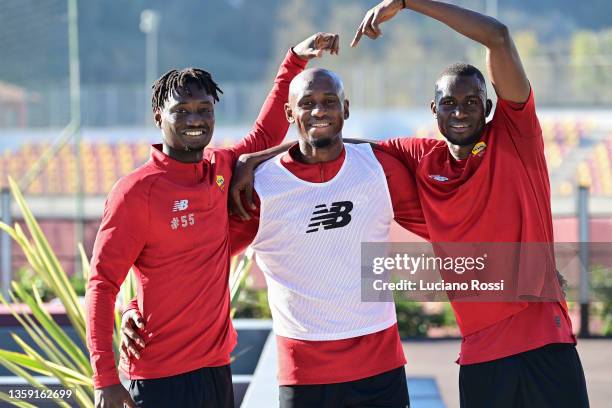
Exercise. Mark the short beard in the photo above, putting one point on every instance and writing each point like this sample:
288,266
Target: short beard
470,140
194,148
321,143
465,142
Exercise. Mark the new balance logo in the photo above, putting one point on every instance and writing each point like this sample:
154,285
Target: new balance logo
337,216
180,205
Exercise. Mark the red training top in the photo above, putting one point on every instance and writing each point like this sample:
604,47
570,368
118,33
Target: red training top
333,361
500,193
169,220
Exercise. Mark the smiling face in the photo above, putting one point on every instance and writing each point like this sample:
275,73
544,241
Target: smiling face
317,107
461,107
187,119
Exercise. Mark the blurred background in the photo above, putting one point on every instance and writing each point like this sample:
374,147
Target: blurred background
75,110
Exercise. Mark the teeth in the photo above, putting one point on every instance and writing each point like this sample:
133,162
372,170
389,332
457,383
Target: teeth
193,133
320,125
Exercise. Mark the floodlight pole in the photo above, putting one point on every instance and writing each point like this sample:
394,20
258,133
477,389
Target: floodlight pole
149,25
5,244
75,118
583,237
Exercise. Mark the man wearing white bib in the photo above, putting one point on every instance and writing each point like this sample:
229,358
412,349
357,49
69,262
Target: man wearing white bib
317,203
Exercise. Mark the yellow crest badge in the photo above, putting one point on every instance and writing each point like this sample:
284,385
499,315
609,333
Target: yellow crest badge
479,148
221,182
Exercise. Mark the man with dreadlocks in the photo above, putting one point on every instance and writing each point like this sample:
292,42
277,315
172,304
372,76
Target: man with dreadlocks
168,220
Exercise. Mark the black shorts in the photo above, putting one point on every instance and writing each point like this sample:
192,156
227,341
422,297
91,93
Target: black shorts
547,377
208,387
386,390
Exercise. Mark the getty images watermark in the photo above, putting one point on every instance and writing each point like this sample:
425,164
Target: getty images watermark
486,272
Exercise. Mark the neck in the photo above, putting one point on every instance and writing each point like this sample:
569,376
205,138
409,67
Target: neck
460,152
190,156
310,154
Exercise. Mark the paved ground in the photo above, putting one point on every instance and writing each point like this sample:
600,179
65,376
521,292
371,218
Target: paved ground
436,359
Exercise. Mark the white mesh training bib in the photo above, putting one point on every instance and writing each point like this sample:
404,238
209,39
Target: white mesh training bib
309,247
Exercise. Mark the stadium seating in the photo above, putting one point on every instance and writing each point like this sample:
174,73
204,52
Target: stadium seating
597,171
104,163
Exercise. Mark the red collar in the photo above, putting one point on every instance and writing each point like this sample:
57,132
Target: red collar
183,173
314,172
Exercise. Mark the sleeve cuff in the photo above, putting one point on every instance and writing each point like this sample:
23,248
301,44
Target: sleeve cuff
133,304
293,59
101,381
518,106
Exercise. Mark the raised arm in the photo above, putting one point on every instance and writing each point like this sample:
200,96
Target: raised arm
503,62
271,125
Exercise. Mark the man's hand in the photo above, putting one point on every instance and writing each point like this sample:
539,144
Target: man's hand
383,11
242,180
131,342
315,45
113,396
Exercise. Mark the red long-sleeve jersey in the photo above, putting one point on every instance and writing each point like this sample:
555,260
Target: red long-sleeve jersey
500,193
168,220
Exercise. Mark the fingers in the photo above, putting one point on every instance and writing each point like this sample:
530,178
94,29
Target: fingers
248,195
131,342
236,203
375,25
370,26
132,317
131,350
242,212
326,42
362,29
333,44
129,402
133,336
137,319
357,36
335,48
367,27
128,348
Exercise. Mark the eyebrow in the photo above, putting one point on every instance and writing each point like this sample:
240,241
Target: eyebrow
453,97
192,102
306,94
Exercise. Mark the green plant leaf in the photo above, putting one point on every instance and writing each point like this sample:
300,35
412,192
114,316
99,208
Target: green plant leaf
84,261
54,330
15,402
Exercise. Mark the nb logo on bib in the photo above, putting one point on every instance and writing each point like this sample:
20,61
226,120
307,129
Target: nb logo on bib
338,215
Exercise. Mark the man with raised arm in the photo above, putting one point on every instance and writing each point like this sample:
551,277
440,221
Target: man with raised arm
317,203
168,220
488,182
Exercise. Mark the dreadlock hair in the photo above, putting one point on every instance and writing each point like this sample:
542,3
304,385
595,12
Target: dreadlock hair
175,80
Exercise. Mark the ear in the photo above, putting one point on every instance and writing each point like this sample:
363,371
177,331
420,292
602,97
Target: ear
289,113
488,108
346,109
433,108
157,117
